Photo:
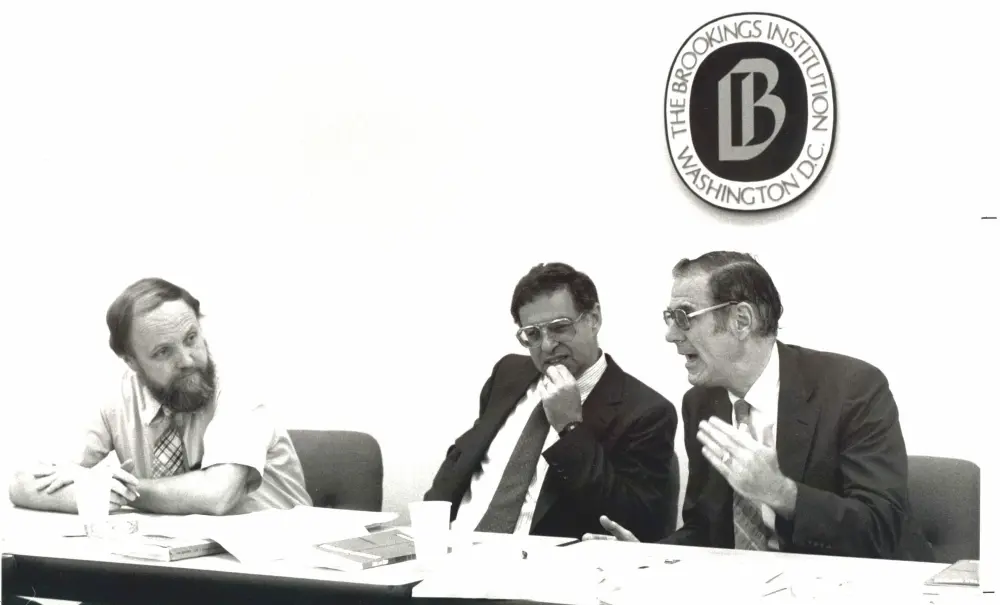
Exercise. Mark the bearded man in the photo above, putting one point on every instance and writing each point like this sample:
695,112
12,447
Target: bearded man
185,444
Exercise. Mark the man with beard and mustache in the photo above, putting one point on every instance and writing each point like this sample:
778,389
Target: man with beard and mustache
194,446
564,435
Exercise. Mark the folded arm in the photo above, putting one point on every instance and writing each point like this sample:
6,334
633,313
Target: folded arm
212,491
865,519
628,484
27,491
237,442
27,487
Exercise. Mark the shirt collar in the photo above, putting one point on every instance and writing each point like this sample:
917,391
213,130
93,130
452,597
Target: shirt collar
134,391
763,394
588,380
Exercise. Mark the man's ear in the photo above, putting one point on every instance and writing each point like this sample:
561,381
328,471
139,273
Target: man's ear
130,362
742,320
597,317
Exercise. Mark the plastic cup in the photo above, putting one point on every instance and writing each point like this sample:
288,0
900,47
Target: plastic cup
430,525
93,495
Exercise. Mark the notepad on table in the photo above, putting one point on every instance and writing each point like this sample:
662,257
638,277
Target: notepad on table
961,573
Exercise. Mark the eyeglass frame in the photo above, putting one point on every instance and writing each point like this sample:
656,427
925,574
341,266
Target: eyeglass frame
543,327
669,314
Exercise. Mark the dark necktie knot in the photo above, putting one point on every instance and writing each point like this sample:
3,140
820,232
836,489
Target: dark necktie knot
742,411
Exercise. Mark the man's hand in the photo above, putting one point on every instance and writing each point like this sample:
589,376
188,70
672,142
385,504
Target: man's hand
617,532
750,467
53,478
560,397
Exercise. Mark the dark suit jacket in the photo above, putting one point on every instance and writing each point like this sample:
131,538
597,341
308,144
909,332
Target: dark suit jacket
616,463
839,439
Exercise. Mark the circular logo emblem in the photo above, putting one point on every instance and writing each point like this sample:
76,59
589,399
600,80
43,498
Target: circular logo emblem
750,112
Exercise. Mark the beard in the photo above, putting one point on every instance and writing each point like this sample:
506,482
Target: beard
186,392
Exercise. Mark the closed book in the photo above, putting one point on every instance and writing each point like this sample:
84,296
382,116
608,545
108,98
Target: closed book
365,552
160,548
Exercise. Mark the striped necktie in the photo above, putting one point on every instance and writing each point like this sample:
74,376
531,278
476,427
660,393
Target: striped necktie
750,532
168,452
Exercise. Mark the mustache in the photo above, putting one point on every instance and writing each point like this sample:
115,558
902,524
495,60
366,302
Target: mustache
184,395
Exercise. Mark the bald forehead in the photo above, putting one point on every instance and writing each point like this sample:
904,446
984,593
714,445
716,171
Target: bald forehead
167,323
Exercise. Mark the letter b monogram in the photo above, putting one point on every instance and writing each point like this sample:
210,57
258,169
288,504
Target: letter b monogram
742,151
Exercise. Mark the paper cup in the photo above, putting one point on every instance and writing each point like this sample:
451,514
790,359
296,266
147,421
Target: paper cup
430,525
93,495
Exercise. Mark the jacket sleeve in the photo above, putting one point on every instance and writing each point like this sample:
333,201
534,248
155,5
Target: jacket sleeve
629,484
865,519
447,485
695,528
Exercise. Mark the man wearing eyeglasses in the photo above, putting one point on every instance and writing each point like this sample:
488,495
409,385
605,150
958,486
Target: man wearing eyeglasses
789,448
564,435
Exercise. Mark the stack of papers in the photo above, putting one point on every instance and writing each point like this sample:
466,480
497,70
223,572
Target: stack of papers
266,536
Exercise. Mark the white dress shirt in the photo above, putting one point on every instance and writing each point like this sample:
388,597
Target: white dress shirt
485,482
763,400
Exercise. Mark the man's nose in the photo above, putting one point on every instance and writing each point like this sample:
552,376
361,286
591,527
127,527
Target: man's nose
674,334
548,343
186,359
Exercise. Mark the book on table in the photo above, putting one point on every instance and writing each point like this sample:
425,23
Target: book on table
162,548
364,552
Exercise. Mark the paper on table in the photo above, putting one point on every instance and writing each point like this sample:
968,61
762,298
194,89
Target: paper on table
266,535
498,570
698,575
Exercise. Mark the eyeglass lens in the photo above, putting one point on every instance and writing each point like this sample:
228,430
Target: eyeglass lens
562,330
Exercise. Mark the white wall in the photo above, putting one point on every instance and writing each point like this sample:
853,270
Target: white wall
353,192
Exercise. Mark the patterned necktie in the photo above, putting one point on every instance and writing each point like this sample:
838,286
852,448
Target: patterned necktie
750,532
505,508
168,452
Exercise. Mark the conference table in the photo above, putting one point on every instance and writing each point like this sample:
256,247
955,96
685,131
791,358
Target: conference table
45,564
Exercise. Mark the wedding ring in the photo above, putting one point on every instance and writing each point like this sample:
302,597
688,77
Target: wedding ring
725,457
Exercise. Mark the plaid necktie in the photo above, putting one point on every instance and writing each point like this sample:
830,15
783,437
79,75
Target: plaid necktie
749,529
505,508
168,452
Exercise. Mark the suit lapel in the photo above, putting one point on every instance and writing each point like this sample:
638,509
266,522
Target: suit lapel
509,388
598,411
797,414
721,407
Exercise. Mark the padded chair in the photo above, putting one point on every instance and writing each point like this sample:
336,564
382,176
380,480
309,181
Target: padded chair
673,495
944,498
343,469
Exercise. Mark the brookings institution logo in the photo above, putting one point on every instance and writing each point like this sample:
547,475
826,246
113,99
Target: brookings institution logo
750,112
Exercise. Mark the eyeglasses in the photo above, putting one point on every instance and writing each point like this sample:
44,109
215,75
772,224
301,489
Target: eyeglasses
562,330
683,318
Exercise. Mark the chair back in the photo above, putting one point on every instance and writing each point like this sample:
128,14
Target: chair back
944,500
343,469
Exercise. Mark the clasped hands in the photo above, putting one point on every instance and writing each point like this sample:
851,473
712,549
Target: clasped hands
750,467
52,478
560,397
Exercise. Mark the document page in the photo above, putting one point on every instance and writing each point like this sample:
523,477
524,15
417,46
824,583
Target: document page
266,535
559,575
